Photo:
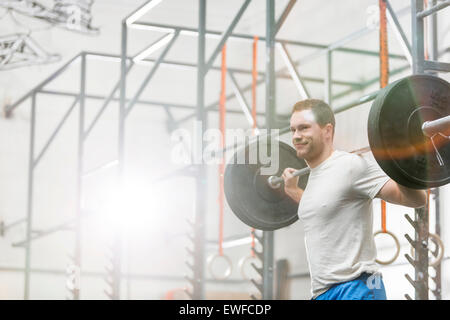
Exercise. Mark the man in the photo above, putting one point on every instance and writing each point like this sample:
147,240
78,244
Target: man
336,207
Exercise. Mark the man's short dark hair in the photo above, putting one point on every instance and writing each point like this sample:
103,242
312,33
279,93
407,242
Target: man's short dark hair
321,110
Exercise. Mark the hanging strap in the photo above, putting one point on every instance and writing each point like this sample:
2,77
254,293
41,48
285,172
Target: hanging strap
384,59
222,111
254,79
384,78
425,32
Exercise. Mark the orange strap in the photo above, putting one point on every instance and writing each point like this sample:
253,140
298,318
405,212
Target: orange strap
222,111
383,216
384,61
254,80
384,78
425,32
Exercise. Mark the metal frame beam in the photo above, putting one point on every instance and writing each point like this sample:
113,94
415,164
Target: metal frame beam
68,225
241,99
10,108
150,74
401,36
293,71
215,34
425,13
55,132
436,66
284,15
226,35
106,102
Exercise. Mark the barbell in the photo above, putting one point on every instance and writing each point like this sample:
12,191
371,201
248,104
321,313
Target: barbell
408,132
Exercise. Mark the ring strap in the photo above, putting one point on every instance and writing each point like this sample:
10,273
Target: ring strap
222,112
254,79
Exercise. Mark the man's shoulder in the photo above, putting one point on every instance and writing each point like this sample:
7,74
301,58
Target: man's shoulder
350,161
341,155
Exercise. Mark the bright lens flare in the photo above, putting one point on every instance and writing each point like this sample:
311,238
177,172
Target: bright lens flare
130,208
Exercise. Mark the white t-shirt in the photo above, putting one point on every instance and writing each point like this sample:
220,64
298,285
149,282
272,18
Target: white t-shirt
336,210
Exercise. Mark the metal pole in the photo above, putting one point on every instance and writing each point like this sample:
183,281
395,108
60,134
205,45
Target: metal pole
268,236
30,198
434,53
77,254
200,182
117,241
437,278
417,37
433,37
421,253
422,14
328,92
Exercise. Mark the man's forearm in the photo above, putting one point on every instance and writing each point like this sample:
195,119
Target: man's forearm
412,197
295,194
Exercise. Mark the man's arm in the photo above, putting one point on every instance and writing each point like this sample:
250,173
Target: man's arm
295,194
397,194
290,185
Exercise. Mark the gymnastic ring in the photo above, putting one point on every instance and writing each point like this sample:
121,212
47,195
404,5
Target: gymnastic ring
242,265
397,244
438,241
228,270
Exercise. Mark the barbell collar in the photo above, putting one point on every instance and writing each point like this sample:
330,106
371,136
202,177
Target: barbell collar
441,125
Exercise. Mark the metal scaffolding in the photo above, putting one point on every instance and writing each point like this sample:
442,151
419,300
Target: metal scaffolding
422,65
199,112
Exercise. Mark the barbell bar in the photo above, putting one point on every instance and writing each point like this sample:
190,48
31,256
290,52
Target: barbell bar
408,128
429,128
438,126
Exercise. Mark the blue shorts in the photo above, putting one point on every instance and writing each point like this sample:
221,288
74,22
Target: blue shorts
366,287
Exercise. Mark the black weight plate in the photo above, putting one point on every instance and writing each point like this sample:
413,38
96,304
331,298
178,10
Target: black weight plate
395,131
249,195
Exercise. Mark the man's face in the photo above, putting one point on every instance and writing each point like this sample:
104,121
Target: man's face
307,135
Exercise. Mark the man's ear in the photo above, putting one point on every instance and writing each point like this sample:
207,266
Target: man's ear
329,128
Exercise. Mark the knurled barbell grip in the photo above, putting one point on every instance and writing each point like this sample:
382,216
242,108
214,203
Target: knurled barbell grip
275,182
